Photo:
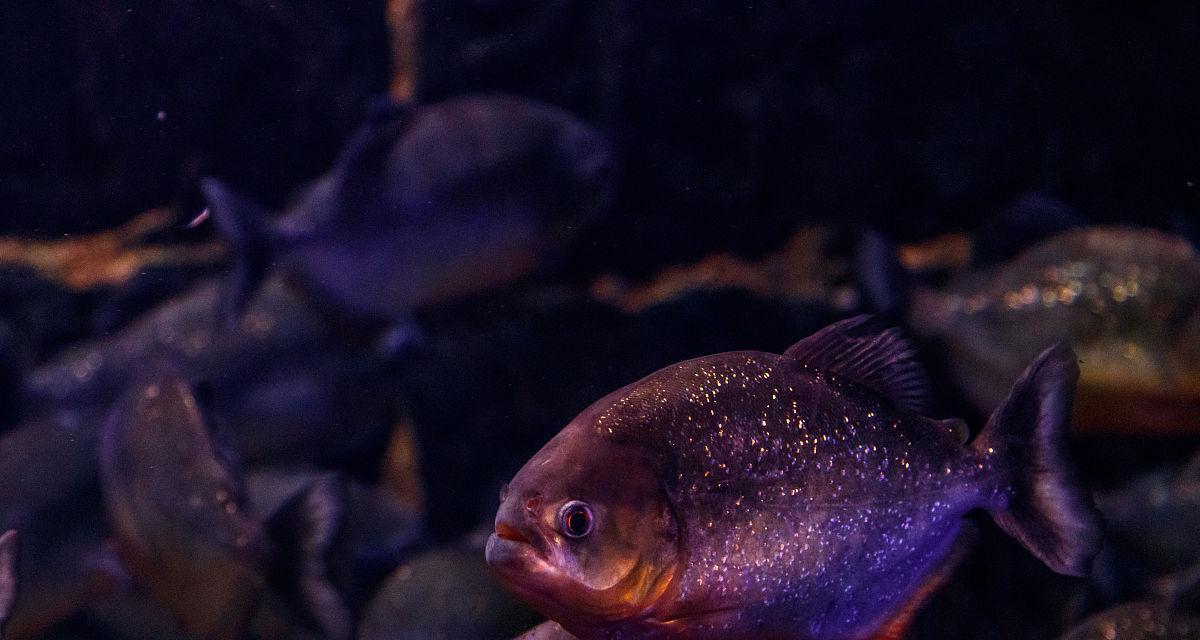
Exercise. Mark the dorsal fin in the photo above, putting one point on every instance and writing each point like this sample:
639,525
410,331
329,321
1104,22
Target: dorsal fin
870,353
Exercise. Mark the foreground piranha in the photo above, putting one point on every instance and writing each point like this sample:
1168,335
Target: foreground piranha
425,204
1126,299
800,496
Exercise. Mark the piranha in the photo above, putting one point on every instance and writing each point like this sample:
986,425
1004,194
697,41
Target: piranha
425,204
176,502
1126,299
8,575
793,496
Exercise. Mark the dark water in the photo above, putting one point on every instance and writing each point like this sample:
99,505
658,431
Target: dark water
752,148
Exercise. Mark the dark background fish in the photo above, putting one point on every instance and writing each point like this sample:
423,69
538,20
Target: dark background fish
1128,301
426,203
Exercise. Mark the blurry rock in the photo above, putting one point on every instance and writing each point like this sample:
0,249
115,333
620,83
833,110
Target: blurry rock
65,566
447,594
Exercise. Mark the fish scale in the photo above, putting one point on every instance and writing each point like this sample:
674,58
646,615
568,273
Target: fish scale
791,534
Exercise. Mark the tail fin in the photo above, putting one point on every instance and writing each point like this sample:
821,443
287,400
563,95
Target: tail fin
8,575
1049,511
303,529
246,226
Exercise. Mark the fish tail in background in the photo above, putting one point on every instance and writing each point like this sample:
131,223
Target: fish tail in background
884,283
246,226
8,576
1050,512
302,530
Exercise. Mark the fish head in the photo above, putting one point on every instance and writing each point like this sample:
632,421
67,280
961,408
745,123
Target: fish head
585,532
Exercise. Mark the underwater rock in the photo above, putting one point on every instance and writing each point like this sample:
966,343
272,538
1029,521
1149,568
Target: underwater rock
446,594
549,630
65,567
800,495
1127,300
66,443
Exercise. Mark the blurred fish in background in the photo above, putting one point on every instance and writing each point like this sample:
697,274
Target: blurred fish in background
1127,299
426,203
176,499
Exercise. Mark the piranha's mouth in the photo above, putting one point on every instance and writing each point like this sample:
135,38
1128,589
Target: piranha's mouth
505,531
515,556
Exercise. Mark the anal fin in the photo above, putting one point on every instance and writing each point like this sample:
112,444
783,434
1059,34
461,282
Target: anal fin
897,626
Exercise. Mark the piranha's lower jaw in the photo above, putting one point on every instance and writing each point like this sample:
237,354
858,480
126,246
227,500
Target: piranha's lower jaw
526,574
516,561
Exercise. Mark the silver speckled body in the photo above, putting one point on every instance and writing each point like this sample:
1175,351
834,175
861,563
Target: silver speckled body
809,506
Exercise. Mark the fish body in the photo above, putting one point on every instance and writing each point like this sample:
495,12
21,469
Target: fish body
425,204
175,498
178,513
186,331
1126,299
799,496
287,387
445,594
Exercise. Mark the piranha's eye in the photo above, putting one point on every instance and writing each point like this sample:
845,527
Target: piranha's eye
575,519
